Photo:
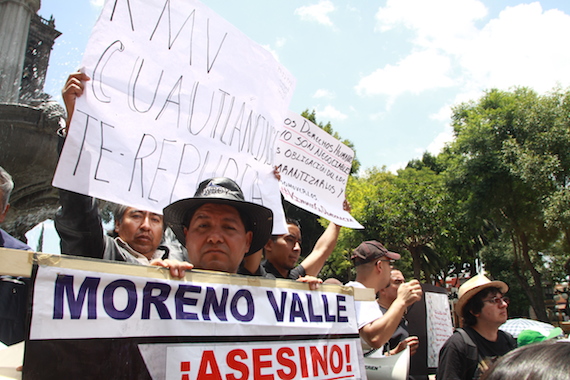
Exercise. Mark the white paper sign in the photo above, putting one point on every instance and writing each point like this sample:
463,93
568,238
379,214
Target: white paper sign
177,95
314,168
438,325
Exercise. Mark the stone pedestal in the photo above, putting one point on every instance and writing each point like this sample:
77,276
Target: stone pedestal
15,16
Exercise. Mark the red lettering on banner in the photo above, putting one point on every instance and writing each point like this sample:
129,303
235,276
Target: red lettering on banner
348,366
286,362
209,361
258,364
336,351
185,367
269,363
319,359
237,365
303,357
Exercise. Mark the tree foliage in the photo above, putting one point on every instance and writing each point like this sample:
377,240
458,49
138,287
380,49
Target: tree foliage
509,165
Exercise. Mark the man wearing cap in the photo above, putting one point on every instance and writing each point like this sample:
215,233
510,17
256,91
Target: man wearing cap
217,226
373,265
482,308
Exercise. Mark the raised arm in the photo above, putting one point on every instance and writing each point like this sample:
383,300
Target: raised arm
71,91
314,262
379,331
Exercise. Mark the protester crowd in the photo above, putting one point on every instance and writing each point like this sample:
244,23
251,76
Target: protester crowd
218,230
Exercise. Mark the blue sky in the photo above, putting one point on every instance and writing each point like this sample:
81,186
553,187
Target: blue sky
384,73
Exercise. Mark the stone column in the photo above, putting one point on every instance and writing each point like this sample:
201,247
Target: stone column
15,18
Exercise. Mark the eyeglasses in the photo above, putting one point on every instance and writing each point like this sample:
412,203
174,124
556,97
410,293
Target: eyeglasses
498,300
388,261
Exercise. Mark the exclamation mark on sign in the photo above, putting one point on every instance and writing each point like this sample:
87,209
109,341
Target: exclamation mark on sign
348,366
185,367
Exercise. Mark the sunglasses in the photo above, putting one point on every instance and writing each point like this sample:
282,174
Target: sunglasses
498,300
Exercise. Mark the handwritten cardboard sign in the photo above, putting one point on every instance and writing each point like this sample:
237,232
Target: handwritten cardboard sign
314,169
438,324
177,95
96,324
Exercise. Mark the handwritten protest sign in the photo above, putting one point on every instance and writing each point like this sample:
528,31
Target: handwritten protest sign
213,326
314,169
438,325
176,95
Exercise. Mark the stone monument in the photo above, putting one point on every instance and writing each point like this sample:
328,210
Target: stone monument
29,120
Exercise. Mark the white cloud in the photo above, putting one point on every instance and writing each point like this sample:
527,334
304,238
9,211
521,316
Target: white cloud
437,23
440,140
317,12
509,52
97,3
397,166
323,93
455,45
272,51
280,42
329,113
444,114
415,73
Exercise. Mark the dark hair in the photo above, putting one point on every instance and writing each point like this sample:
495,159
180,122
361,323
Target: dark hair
475,305
118,215
292,221
536,361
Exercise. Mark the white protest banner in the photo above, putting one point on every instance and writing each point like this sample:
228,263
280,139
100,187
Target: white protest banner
438,325
177,95
314,168
95,324
82,304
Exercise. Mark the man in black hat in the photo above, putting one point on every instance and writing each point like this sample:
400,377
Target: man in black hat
217,226
373,265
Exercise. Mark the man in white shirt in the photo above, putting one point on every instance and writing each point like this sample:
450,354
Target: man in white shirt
373,265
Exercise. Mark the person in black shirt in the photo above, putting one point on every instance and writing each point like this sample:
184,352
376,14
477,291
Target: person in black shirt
482,308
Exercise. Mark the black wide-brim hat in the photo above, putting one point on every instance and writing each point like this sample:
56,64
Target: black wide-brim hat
221,190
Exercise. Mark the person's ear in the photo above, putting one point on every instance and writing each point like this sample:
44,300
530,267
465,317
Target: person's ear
268,247
248,239
117,225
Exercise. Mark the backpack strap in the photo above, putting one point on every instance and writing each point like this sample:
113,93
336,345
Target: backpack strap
472,352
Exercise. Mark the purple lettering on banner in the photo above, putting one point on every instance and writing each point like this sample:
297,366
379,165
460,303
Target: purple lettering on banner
156,300
180,301
246,295
108,299
211,301
312,316
341,307
297,310
64,283
279,312
328,317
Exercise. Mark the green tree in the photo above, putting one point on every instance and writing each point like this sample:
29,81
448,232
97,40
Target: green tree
508,166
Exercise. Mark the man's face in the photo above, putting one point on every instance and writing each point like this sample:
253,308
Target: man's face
391,292
494,311
142,230
216,238
284,252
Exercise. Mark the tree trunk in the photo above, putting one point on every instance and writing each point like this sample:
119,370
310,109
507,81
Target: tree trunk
416,261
